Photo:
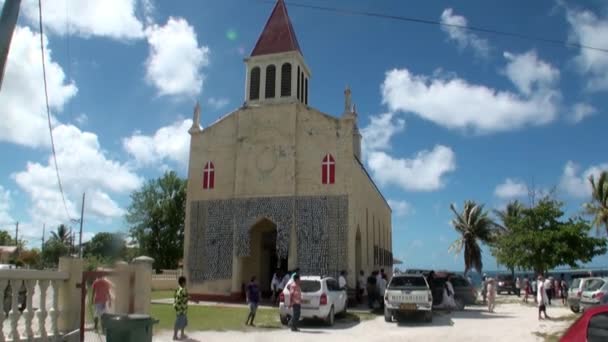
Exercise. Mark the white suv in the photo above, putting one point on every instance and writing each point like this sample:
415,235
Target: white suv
408,293
321,299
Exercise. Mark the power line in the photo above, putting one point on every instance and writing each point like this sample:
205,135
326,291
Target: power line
439,23
48,110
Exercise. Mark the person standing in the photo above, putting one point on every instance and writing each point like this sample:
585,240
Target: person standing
564,290
361,287
450,292
102,298
484,288
372,284
342,280
275,286
295,301
517,287
253,299
548,286
181,308
491,294
381,289
542,298
526,289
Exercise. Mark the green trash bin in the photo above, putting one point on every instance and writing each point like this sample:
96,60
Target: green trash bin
128,328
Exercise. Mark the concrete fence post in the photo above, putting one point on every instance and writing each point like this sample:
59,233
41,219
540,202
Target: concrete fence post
142,266
69,294
120,281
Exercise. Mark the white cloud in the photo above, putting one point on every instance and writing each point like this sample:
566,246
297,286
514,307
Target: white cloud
168,143
529,73
456,104
590,30
175,59
5,206
580,111
400,208
424,172
461,36
115,19
84,167
23,109
218,103
82,119
510,189
377,135
577,184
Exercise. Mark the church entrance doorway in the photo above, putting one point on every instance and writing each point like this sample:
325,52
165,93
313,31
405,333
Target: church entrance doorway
263,260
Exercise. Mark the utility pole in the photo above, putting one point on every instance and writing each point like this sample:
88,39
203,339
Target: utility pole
43,229
81,221
17,236
8,20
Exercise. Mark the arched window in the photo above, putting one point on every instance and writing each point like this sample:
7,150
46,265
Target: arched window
298,83
306,91
286,80
208,176
328,170
271,73
302,87
254,84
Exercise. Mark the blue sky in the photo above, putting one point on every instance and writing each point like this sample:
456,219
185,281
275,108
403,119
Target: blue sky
447,114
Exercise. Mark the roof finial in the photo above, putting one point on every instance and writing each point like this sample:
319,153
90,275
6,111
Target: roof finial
196,119
347,100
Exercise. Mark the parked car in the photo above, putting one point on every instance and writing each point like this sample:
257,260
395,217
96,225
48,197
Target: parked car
464,292
591,326
595,293
576,291
8,298
408,293
322,298
505,284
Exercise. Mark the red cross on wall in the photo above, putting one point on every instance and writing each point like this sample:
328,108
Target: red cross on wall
208,176
328,170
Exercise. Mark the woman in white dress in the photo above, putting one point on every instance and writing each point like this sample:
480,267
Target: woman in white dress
447,301
491,294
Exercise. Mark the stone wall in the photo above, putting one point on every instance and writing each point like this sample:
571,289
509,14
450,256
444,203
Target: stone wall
221,227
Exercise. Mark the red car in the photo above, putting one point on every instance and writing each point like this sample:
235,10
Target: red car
592,326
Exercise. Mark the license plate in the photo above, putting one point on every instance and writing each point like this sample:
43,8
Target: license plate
407,306
305,301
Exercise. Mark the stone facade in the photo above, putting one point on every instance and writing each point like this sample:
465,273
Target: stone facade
321,223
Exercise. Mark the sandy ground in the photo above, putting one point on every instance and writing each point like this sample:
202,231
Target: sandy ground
510,322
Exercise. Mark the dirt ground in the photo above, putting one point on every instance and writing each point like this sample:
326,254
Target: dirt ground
510,322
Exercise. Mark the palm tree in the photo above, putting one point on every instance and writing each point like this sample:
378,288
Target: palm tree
474,225
598,207
62,235
506,217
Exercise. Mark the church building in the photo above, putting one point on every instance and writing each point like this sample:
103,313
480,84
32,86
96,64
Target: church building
279,184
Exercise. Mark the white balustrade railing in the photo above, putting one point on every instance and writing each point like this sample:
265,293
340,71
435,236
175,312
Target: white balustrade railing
29,312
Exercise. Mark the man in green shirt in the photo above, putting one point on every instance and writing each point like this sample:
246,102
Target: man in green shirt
181,308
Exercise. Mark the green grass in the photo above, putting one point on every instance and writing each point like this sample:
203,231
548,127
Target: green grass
162,294
216,318
204,318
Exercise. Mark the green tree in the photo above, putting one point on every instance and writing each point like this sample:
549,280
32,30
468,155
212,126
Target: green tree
156,218
474,226
598,207
110,246
53,250
540,240
6,239
506,219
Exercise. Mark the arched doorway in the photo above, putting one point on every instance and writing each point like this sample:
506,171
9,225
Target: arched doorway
358,253
263,260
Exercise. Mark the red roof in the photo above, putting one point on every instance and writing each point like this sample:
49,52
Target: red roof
278,35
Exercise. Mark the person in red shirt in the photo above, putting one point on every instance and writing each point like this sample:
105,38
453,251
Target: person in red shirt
101,297
295,301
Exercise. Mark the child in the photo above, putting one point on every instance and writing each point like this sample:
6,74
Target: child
181,309
253,298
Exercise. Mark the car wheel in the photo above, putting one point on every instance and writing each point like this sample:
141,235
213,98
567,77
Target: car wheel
428,316
459,304
331,319
284,320
575,309
388,317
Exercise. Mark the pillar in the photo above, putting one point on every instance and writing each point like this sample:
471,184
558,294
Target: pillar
120,286
142,268
69,295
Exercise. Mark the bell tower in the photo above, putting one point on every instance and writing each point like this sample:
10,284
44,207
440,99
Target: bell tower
276,70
